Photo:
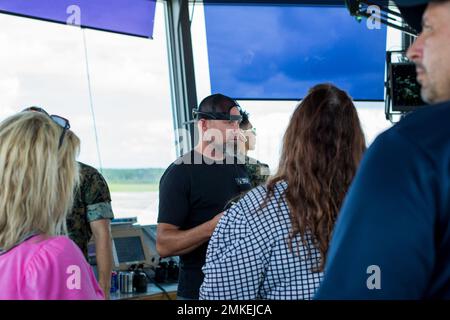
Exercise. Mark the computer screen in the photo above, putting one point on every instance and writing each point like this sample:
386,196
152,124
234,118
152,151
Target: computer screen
405,88
129,249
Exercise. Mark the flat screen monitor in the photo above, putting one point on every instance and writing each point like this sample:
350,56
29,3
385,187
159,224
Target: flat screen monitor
129,247
405,90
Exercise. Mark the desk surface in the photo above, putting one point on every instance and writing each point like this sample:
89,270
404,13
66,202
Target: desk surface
153,293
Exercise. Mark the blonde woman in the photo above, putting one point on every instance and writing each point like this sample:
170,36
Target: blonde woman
38,175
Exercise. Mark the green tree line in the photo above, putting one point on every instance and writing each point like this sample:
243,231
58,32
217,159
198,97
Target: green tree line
133,176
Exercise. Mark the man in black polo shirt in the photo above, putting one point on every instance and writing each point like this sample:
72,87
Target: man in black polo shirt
195,189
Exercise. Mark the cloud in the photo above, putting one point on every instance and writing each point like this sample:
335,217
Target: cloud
44,64
250,46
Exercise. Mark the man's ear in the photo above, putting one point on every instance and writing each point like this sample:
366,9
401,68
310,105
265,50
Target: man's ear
204,124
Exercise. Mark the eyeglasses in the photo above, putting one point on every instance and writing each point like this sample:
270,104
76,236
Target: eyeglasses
60,121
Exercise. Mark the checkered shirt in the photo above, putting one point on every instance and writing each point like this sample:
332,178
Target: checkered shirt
248,255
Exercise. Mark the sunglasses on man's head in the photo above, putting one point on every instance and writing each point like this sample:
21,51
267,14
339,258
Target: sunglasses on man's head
222,116
60,121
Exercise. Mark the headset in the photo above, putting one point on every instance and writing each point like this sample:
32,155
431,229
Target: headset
197,115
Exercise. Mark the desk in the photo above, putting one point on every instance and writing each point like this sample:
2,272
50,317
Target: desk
153,293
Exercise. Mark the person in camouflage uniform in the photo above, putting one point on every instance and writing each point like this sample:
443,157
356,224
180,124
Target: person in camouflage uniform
91,216
92,202
258,172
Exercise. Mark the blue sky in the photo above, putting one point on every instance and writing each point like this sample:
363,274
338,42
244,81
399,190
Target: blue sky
279,52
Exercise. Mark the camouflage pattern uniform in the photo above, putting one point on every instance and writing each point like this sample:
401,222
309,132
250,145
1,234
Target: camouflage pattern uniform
92,202
258,172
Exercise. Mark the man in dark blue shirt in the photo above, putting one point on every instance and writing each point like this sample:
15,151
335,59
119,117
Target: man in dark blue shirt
392,238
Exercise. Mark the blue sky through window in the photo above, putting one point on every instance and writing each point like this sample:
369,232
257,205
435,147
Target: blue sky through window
279,52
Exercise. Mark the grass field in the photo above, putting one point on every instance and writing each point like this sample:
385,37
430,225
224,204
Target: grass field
129,187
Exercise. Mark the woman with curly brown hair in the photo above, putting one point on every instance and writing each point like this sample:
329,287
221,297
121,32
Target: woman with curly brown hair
273,243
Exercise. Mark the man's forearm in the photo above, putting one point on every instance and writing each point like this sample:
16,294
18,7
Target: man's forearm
179,242
103,248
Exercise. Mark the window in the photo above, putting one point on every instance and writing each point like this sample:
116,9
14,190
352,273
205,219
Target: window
224,42
279,52
271,118
132,136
